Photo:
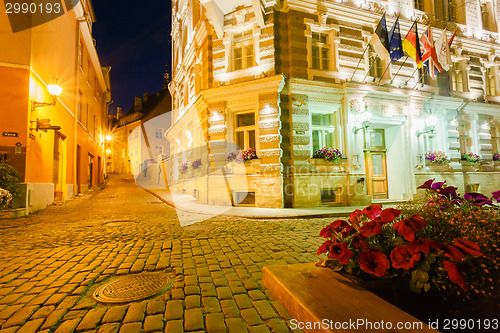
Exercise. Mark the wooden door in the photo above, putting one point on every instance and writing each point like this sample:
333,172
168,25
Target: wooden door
376,164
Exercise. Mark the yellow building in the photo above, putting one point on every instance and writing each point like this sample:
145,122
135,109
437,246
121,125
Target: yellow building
290,77
57,149
137,144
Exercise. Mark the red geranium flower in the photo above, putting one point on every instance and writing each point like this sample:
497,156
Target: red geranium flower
340,252
372,211
402,257
354,218
389,214
371,228
427,184
455,275
324,247
452,252
326,232
407,227
338,226
423,245
374,262
468,246
360,242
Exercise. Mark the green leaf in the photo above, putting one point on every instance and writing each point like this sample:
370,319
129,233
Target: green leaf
424,266
427,286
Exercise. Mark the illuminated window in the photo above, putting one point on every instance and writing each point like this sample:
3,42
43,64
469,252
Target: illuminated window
457,79
490,81
419,4
320,49
376,65
452,11
245,130
323,130
243,50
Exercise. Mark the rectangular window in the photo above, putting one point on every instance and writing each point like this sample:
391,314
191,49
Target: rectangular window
80,103
452,11
323,130
490,81
243,50
159,133
320,49
376,65
419,4
245,130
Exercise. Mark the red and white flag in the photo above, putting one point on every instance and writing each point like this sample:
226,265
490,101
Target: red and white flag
443,51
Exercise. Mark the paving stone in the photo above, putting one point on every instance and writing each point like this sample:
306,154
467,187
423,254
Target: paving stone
193,320
236,325
251,316
68,302
192,290
277,325
265,309
224,293
215,323
192,301
43,312
53,318
155,307
75,314
243,301
20,316
211,304
10,329
229,308
8,311
191,280
237,287
109,328
11,298
131,328
174,326
250,284
114,314
259,329
67,326
175,310
256,295
178,293
135,312
153,323
31,326
91,319
281,310
208,289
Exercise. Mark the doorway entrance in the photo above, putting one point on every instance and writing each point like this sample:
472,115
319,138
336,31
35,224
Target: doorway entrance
376,163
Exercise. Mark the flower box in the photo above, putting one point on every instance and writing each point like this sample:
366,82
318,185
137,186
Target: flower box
468,166
438,167
248,167
319,165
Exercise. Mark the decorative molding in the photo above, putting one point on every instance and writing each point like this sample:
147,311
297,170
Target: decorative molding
301,140
218,156
300,126
322,19
269,138
268,123
317,99
268,110
301,153
243,100
274,167
217,143
217,129
300,111
219,48
270,152
240,16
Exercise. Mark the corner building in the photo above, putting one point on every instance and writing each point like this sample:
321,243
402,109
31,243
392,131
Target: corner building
67,159
290,77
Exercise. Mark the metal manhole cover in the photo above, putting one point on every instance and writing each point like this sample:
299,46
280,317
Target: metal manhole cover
132,288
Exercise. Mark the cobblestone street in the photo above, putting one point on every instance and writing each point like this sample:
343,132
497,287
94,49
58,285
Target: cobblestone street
52,261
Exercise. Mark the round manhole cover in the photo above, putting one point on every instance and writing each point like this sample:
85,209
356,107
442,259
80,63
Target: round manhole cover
132,288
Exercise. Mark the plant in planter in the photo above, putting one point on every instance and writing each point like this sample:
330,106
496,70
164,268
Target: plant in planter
196,164
247,156
328,154
437,160
471,158
5,198
496,157
184,168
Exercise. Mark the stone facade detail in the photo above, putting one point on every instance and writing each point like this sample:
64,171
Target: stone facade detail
270,152
301,139
269,138
268,123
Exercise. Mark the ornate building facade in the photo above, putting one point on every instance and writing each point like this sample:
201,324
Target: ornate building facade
55,142
290,77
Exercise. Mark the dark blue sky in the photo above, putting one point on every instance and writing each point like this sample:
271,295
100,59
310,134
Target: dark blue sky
134,39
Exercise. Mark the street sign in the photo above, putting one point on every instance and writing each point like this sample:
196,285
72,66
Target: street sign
32,137
11,134
18,144
18,151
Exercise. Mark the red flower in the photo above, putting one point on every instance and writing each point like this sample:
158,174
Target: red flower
324,247
360,242
407,227
374,262
389,214
402,257
452,252
422,245
455,275
427,184
371,228
372,211
340,252
354,218
468,246
326,232
338,226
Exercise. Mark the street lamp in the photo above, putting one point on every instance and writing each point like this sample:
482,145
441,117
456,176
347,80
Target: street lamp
54,91
364,119
430,125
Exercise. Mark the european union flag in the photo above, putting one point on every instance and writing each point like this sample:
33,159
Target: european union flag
395,44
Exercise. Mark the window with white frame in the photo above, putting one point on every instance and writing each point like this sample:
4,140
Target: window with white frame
245,130
243,50
376,69
320,50
159,133
322,130
457,78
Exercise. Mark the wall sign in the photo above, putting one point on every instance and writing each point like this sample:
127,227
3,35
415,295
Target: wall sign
18,151
11,134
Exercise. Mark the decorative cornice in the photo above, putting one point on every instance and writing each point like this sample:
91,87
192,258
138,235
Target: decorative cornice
270,152
269,138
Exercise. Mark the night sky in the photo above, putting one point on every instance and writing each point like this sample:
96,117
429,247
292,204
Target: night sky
133,38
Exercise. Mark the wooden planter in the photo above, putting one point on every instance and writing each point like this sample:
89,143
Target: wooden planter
438,167
319,165
469,167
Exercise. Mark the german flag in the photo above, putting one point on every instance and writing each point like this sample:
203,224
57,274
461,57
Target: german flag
411,45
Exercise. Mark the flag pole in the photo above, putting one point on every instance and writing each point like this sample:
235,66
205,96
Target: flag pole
384,73
411,75
420,78
362,56
399,70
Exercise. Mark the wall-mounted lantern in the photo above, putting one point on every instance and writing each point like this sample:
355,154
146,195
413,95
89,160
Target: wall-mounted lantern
430,125
54,91
364,119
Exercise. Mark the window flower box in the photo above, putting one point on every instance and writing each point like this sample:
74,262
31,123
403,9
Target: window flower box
470,162
319,165
437,161
438,167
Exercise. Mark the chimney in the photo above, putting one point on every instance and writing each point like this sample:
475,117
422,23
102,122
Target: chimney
145,97
118,113
137,104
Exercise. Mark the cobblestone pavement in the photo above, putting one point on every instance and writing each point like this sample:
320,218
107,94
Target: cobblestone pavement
52,261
